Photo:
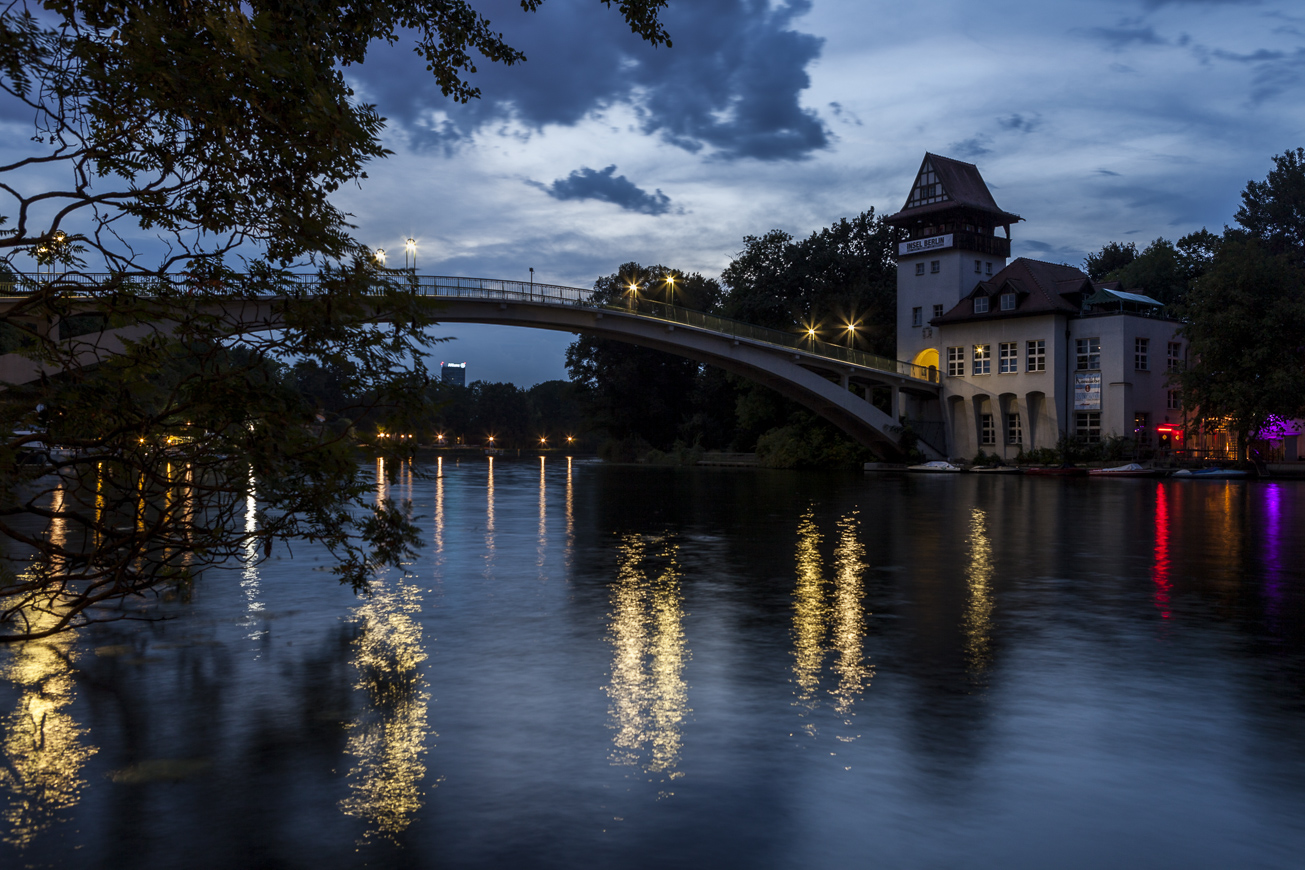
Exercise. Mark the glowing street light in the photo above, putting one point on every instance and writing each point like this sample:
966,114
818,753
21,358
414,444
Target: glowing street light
634,293
543,442
380,256
440,438
670,288
570,439
410,248
851,334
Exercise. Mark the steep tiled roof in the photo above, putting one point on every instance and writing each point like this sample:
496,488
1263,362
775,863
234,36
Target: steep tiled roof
1040,288
964,187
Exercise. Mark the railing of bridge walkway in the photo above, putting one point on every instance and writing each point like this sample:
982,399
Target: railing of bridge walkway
524,291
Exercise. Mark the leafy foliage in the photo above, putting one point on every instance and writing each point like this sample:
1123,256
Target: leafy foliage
189,152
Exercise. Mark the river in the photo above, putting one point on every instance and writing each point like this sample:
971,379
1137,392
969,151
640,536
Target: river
615,666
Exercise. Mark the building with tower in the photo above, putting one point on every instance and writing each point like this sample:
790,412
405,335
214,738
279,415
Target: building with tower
1028,351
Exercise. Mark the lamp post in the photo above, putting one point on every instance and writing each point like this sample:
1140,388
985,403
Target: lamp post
410,248
532,280
634,294
670,289
851,335
380,257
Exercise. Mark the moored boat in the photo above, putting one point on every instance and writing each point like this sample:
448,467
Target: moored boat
937,466
1212,474
1132,469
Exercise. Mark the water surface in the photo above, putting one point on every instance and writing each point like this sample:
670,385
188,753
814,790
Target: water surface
595,666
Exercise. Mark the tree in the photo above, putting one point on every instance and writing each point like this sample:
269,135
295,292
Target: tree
1112,257
176,190
1245,316
1245,322
636,394
843,274
1273,210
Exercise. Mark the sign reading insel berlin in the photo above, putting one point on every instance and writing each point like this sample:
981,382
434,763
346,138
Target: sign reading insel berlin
919,246
1087,391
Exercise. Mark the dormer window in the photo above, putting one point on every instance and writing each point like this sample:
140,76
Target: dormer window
980,304
1008,302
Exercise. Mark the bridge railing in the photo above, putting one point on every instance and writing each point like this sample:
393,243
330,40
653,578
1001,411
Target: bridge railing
526,291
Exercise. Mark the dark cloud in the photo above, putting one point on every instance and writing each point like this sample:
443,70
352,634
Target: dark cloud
1156,4
847,116
975,146
731,84
1020,122
1119,38
1274,71
607,186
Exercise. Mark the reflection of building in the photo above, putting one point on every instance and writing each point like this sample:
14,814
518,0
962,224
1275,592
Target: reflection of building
1029,351
453,373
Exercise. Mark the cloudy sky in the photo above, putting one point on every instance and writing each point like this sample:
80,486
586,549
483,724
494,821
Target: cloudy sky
1096,120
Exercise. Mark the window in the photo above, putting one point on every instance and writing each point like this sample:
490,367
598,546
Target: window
1142,427
983,359
1036,360
935,266
1008,358
1142,354
1008,302
1089,353
1014,431
1174,402
1087,425
937,311
955,362
980,304
987,268
917,316
987,429
1174,362
978,270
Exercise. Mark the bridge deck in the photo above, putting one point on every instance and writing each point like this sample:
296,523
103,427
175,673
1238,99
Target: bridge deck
491,289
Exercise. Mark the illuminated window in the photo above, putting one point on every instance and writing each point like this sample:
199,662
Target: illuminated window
1087,425
980,304
987,429
1174,402
1142,427
917,316
1142,354
1089,353
1008,302
1008,358
1036,358
935,266
1014,431
937,311
919,268
982,359
955,362
1174,360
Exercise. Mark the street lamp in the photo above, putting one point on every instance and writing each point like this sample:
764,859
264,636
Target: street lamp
410,247
634,293
851,334
543,441
532,280
670,288
570,439
380,256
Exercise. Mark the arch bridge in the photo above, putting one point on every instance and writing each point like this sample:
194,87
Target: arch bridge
830,380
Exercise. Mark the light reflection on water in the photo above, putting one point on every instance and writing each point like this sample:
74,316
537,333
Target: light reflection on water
44,747
649,697
616,659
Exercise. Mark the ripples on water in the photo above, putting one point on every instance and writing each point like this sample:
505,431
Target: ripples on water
616,666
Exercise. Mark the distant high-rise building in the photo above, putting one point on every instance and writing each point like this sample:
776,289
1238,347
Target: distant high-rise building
453,373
